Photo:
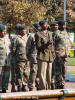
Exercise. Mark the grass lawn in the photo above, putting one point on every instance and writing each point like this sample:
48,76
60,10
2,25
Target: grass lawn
71,62
71,72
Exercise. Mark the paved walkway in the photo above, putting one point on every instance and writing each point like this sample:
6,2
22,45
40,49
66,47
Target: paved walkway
71,68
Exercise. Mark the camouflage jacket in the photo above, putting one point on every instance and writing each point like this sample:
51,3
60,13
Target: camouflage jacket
4,51
18,48
60,43
31,50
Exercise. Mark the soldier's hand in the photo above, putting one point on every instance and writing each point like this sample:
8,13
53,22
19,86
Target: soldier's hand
49,42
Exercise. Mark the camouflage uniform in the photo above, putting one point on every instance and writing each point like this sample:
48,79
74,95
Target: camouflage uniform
12,60
61,54
55,31
31,54
4,62
19,52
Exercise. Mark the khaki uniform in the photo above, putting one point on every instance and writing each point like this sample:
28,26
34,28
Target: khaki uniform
45,59
4,62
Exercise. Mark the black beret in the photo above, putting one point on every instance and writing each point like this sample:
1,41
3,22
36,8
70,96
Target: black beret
22,27
17,26
54,23
2,27
42,22
60,23
36,25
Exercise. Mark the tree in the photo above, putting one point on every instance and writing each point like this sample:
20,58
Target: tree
22,12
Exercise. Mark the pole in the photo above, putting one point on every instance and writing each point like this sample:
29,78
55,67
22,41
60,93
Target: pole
64,10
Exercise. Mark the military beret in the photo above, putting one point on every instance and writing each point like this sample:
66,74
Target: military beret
17,26
60,23
36,25
2,27
22,27
42,22
54,23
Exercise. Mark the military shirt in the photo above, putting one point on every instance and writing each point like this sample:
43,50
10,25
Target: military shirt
18,48
60,43
31,48
44,53
4,51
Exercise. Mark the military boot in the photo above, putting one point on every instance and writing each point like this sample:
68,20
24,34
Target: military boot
13,88
25,88
19,89
3,90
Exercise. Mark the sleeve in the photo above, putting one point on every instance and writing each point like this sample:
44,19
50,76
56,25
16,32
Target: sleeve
13,46
28,46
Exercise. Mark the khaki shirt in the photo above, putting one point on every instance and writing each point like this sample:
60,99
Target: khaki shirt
44,53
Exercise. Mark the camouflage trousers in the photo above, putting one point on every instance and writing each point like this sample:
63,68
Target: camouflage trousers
4,76
33,73
21,74
59,73
13,74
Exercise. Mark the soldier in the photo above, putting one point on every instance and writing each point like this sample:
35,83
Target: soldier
31,55
44,56
19,52
55,32
4,61
13,74
61,55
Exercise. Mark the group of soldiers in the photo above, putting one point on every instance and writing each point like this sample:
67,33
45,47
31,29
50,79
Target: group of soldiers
36,61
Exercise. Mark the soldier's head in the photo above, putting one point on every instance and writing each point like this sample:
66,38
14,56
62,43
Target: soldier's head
37,27
2,31
62,25
54,25
17,28
44,25
23,30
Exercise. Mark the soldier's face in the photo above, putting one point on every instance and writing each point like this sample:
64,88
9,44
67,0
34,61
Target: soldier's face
39,28
63,27
3,33
55,27
45,26
23,32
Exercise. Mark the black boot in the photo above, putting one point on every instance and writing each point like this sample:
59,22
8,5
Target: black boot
25,88
3,90
19,89
13,88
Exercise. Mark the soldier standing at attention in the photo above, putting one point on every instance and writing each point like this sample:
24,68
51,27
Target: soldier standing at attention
31,55
4,61
61,55
55,31
13,74
19,52
44,56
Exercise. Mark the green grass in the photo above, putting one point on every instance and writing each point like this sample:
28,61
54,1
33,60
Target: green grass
71,72
71,62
